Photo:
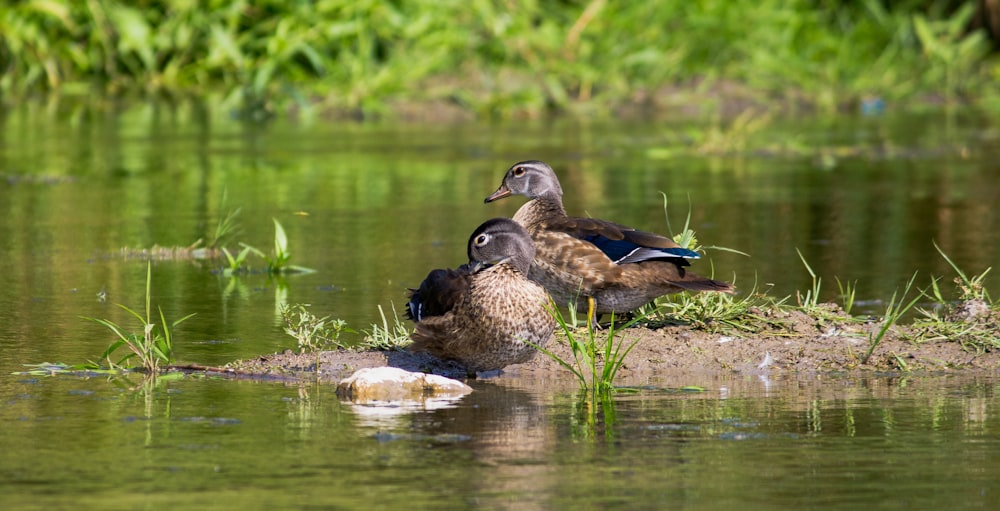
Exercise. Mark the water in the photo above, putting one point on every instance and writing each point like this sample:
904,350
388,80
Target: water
819,442
372,208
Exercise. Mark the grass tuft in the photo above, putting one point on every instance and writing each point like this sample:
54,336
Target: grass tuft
893,312
278,260
386,337
715,312
595,363
153,347
312,333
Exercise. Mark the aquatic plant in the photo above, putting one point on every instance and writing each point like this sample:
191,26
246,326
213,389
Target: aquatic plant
234,263
595,363
278,260
225,228
153,347
312,333
386,336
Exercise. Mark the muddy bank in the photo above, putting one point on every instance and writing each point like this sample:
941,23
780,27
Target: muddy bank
794,342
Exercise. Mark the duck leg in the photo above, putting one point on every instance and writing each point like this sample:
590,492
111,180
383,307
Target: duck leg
591,317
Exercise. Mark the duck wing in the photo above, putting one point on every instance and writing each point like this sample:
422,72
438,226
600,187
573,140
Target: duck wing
623,244
439,292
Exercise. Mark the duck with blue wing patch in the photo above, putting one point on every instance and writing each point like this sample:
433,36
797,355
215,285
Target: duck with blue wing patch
485,314
614,267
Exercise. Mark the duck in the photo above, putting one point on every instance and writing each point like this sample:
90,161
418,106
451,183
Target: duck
485,314
614,268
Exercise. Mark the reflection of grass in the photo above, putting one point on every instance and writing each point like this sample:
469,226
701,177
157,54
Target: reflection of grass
585,414
153,347
595,365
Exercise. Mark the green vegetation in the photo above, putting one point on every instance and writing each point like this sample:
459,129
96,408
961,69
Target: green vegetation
496,59
595,363
847,293
313,334
972,320
386,336
278,260
893,312
224,229
714,311
234,263
809,300
153,347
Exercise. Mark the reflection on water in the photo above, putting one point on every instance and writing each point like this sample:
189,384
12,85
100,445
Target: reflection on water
372,208
821,441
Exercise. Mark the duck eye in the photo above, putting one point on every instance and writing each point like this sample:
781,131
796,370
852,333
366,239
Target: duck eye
481,240
519,171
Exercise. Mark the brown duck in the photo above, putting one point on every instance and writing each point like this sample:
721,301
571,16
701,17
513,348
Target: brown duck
484,314
615,267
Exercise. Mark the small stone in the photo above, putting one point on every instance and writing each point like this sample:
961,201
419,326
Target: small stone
971,310
395,384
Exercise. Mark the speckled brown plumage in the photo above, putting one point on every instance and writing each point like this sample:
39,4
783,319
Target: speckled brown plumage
481,313
621,268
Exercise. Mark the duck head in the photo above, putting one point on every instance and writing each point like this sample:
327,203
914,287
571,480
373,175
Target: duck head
531,178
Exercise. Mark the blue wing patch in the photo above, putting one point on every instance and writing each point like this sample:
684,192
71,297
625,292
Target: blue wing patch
624,251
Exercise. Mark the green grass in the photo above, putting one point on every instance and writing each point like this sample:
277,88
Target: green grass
395,336
972,288
715,312
810,299
894,311
152,346
279,260
496,59
595,362
972,320
312,333
847,290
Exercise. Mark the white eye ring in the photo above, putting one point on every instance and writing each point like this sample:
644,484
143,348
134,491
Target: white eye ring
519,171
482,239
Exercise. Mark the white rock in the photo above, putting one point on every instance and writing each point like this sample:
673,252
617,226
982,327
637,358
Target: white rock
390,384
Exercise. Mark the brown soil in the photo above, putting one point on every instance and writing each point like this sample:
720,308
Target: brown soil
792,341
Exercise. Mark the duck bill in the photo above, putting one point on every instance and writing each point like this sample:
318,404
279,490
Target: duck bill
501,192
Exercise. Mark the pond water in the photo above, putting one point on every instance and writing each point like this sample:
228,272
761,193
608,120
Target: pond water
373,207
